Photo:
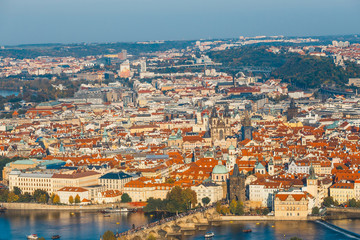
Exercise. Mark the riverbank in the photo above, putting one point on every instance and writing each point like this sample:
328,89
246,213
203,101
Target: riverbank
38,206
265,218
342,213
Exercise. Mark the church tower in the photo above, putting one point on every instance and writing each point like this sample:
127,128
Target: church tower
271,169
237,185
231,158
220,125
246,129
312,183
292,110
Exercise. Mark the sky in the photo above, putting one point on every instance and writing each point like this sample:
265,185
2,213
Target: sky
75,21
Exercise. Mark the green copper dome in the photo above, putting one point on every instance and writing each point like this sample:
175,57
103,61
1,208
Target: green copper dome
220,169
231,147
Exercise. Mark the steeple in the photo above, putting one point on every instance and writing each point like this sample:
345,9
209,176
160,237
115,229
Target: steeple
292,103
236,172
312,172
246,122
271,161
226,111
178,134
193,159
292,111
214,112
61,149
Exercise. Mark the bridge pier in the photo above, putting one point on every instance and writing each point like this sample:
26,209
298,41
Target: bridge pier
179,228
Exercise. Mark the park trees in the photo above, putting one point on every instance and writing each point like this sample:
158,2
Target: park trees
205,201
125,198
77,198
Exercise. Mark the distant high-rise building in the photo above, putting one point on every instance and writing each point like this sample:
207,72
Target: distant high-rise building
122,55
125,69
142,65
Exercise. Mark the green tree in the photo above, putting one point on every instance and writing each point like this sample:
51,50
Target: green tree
125,198
77,198
5,160
315,211
352,202
4,195
155,204
218,207
43,198
180,200
12,197
205,200
328,201
41,238
56,199
265,211
189,198
109,235
233,206
224,210
26,197
239,208
295,238
17,191
175,202
39,196
71,200
339,167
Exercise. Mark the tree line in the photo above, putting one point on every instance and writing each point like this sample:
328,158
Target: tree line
177,200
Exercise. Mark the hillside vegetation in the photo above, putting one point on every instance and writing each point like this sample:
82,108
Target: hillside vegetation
301,71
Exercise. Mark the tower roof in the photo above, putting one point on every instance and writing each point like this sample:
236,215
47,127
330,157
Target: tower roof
236,172
246,122
226,111
214,112
312,172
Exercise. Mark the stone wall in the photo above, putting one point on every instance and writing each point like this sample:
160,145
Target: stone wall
37,206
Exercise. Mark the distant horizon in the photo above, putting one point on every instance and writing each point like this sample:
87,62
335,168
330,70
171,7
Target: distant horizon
175,40
77,21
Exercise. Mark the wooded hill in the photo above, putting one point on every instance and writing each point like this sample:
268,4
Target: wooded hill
301,71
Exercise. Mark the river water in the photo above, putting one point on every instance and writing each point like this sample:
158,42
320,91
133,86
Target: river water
6,93
16,224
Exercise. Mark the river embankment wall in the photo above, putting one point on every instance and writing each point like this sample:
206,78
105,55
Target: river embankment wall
265,218
38,206
342,213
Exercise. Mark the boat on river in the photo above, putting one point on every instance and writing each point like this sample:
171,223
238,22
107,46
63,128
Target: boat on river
56,237
247,230
32,237
209,234
2,208
115,210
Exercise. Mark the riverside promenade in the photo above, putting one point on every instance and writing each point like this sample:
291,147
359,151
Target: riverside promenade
39,206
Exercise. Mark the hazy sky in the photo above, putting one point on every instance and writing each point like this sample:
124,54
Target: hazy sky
71,21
